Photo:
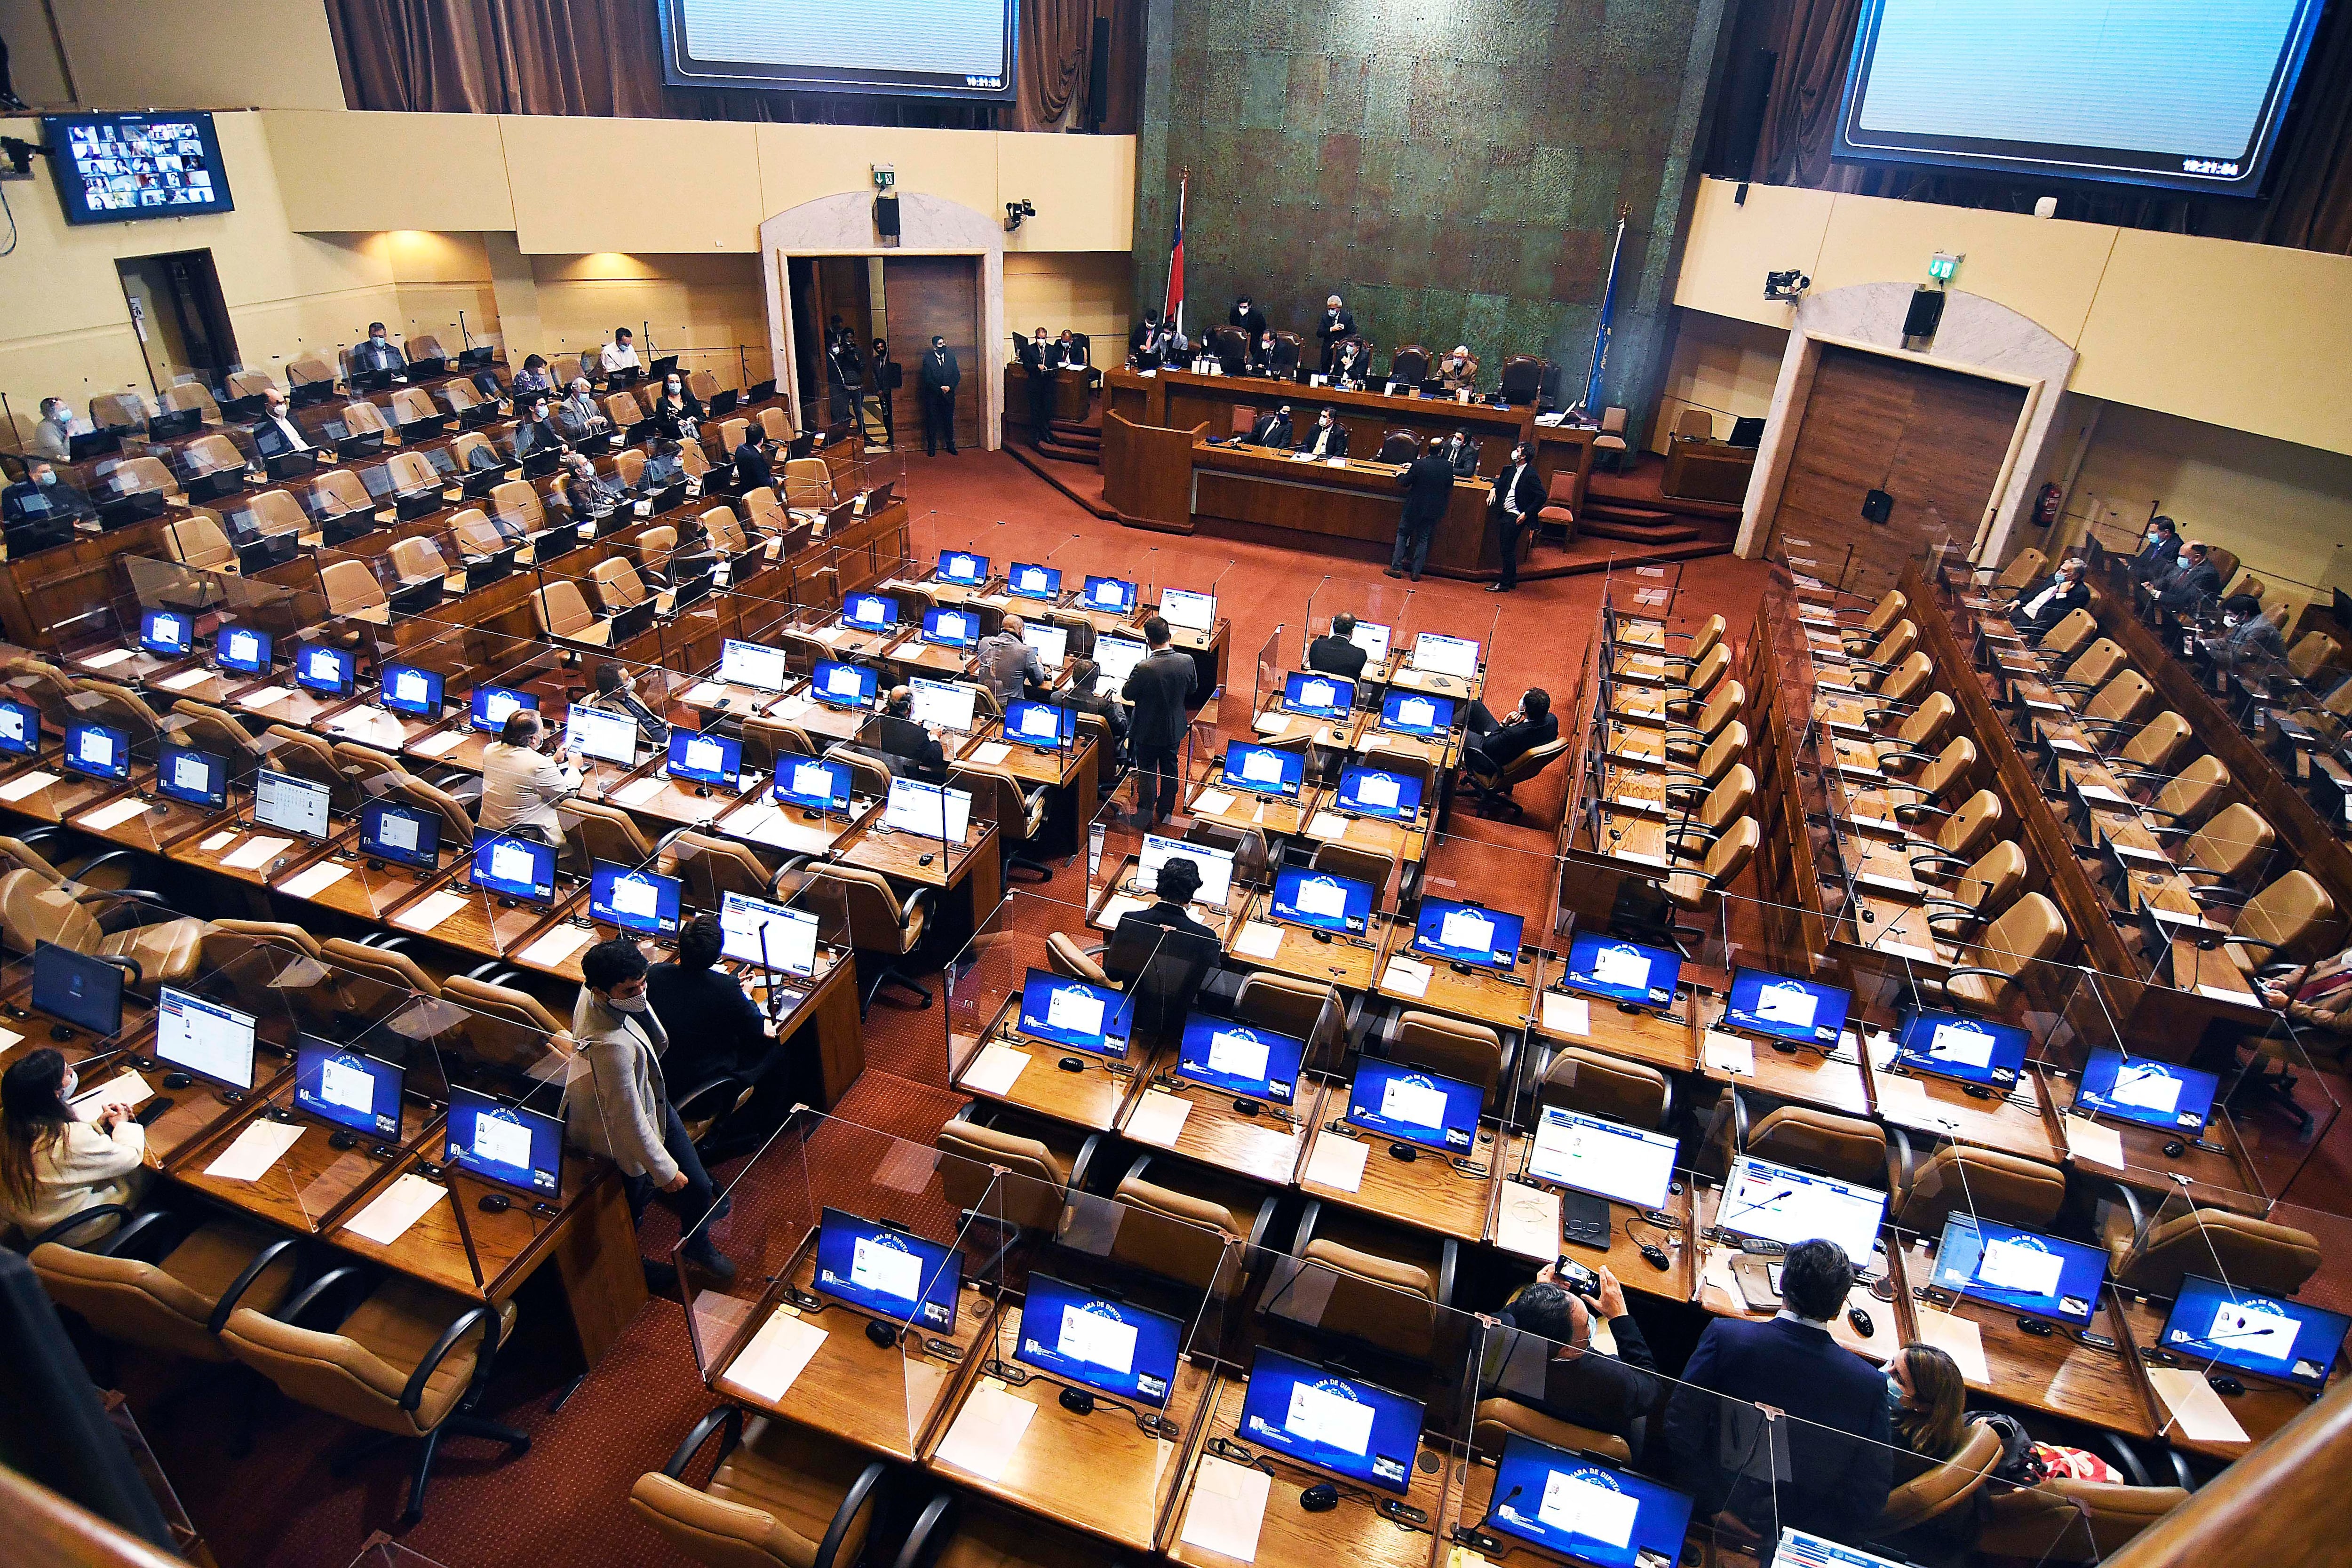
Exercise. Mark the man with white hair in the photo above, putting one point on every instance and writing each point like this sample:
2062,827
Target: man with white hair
1338,325
1458,372
579,417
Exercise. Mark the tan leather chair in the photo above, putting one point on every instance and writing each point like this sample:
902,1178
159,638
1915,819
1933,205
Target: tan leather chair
354,593
375,984
275,512
621,408
2072,633
2231,848
408,1361
418,561
511,1028
765,512
1921,732
211,453
2007,1189
456,826
1690,888
1011,1169
169,1305
1632,1092
411,474
2118,708
517,508
2189,797
32,910
725,535
2092,667
467,443
266,968
1947,1487
857,908
1364,864
1498,1420
1610,442
457,396
2151,1255
308,368
593,831
1385,1283
2311,650
617,585
474,532
1465,1052
118,410
44,686
1981,890
424,345
1948,774
411,403
1846,1147
1558,508
335,493
375,772
1019,815
195,538
1961,835
703,385
1871,625
808,485
249,383
2023,567
776,425
2289,922
215,730
1193,1226
1902,639
361,417
711,868
2160,749
782,1495
137,476
1068,958
104,702
2064,1521
655,545
1306,1010
728,433
560,612
692,460
869,776
1688,740
311,757
1989,972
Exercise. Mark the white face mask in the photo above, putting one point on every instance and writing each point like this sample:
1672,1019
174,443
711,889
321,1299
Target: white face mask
2230,620
72,1082
628,1003
377,340
49,477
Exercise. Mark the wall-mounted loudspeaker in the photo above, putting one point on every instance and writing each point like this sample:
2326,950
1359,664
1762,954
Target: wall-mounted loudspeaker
885,215
1751,91
1878,507
1927,312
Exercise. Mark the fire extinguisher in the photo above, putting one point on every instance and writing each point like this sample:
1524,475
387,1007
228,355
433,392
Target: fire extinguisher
2046,505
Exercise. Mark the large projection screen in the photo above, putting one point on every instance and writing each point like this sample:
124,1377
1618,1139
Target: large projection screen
934,48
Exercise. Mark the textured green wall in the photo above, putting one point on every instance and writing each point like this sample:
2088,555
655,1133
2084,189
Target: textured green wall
1453,168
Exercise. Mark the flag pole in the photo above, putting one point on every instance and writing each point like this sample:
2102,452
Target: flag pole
1598,370
1172,306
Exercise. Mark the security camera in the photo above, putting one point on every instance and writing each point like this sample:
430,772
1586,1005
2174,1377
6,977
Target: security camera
1015,211
1786,286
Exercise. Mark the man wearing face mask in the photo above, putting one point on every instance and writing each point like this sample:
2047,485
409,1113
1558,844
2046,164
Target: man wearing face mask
937,380
2191,585
588,495
1517,496
2249,639
2046,603
40,498
1272,429
1458,372
1348,366
1327,437
536,432
2158,549
1337,326
1582,1383
616,1102
377,353
278,434
53,437
579,417
521,785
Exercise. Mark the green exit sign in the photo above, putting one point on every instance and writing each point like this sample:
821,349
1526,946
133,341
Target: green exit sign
1942,264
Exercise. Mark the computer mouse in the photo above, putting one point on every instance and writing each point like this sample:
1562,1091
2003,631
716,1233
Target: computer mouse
2174,1148
1654,1256
1071,1064
1320,1498
494,1203
924,859
177,1080
340,1140
2225,1384
1861,1322
1405,1151
881,1333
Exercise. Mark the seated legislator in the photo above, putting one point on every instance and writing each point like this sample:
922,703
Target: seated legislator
1085,694
1068,353
53,1164
898,736
578,416
1350,366
2189,584
586,493
1827,1467
377,353
2044,604
534,375
619,354
53,437
42,503
1261,356
2316,996
1327,437
1460,455
535,432
1272,429
713,1026
1335,653
1007,665
1492,747
1583,1385
677,413
521,785
1458,372
616,692
752,469
276,434
2249,639
1179,881
2159,549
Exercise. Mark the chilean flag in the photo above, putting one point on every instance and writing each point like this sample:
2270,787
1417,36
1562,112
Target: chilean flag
1171,309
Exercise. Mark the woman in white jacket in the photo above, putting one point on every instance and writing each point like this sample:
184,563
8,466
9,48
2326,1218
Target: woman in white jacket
52,1166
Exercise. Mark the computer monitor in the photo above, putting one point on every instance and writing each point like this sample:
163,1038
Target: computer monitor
1047,726
1375,791
404,688
213,1042
1322,901
1955,1046
1238,1059
1602,1159
290,805
20,728
1372,637
1074,1012
1318,696
1438,653
842,685
1616,970
401,834
1783,1204
2019,1270
706,759
1031,580
1467,934
1215,865
1115,595
951,627
635,900
1784,1008
493,705
1116,657
1265,770
504,1144
944,703
329,670
963,568
778,940
77,989
1586,1509
1355,1429
1411,713
1183,608
1404,1102
2252,1332
933,810
751,664
98,752
1098,1342
346,1088
2147,1092
242,649
514,867
192,777
607,737
884,1270
1050,644
869,611
811,783
168,633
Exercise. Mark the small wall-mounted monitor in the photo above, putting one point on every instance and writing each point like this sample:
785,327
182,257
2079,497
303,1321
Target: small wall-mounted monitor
119,168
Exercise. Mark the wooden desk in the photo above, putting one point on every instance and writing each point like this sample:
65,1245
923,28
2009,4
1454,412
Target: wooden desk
1209,799
1406,843
1804,1073
1344,500
760,819
164,822
973,866
1174,397
2261,1410
1623,1255
1263,1147
1093,1097
312,1186
2020,1122
1347,962
42,789
1890,1320
228,838
1467,1504
1667,1041
1497,998
2222,1177
678,803
197,1110
1112,901
1072,774
1427,1193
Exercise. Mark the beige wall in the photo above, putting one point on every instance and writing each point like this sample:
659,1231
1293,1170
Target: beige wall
186,54
699,307
1087,291
1725,367
2251,336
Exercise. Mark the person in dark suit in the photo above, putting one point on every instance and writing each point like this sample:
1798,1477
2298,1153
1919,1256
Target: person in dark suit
1162,954
1179,879
1072,354
1824,1469
1141,342
752,468
536,432
1336,325
846,375
276,434
2192,585
616,692
677,413
1248,318
1036,359
42,497
2157,550
1334,654
1272,429
1518,495
1490,747
889,375
1158,689
1350,366
377,353
937,380
713,1026
1462,453
1327,437
909,745
1428,485
1083,693
1261,356
2046,603
1589,1387
2249,639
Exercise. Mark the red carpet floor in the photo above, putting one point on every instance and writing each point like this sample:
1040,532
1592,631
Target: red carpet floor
566,1501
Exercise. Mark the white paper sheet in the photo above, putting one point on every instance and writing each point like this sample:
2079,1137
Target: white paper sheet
27,783
989,754
256,852
113,814
1259,939
214,843
398,1207
309,884
775,1356
256,1149
2197,1411
1227,1508
557,945
1159,1118
1406,976
429,911
268,697
434,745
2094,1141
641,790
1529,1221
1958,1338
1729,1053
706,691
994,1071
125,1088
1905,1101
1567,1015
1326,825
986,1432
1211,802
185,678
1338,1163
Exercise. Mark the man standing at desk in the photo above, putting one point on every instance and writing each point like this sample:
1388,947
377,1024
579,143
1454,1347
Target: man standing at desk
937,381
1158,688
1428,485
278,435
1338,325
1335,653
1036,362
1272,429
1518,496
1326,438
1247,317
377,353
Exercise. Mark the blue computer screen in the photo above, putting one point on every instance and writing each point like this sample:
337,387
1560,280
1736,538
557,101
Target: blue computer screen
955,628
243,648
516,867
1411,713
329,669
1373,791
1097,1341
1265,770
1239,1058
415,692
635,900
20,728
2152,1093
963,567
1952,1044
1343,1424
494,704
350,1089
886,1271
842,685
1322,696
169,632
1465,933
1116,595
1074,1013
100,750
1785,1008
1322,901
1588,1511
401,833
504,1144
2253,1332
1034,581
1416,1107
871,612
2019,1270
705,759
192,777
811,783
1041,724
1619,971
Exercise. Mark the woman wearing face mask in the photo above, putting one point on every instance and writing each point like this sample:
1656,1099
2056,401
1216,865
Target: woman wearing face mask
677,412
52,1166
1926,1402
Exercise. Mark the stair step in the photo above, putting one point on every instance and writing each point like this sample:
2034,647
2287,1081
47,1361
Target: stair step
1596,527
